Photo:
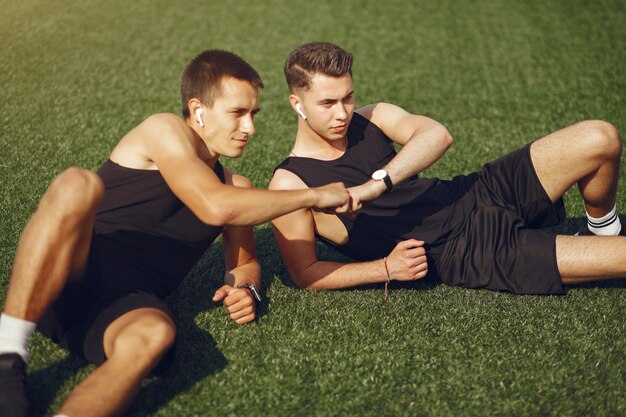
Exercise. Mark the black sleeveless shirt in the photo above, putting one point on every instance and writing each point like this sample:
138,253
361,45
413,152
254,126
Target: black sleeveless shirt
148,227
427,209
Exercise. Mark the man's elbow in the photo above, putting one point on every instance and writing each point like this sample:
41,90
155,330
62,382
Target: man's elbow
215,215
305,282
445,138
300,281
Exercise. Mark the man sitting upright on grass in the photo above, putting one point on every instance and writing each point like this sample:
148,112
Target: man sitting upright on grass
103,250
480,230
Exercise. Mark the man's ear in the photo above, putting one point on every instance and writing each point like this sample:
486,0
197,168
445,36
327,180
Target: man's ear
193,105
294,100
296,105
195,111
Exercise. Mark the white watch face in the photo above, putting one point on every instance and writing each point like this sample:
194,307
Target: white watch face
379,174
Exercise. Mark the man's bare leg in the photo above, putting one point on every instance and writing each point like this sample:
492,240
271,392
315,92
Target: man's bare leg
134,343
55,243
590,258
587,154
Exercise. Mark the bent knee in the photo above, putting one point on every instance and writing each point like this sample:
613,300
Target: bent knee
79,182
602,137
75,190
145,340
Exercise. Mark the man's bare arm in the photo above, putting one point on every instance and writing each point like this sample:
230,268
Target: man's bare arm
241,266
174,149
295,237
423,140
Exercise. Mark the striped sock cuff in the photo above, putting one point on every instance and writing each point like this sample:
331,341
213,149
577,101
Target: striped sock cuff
602,223
606,225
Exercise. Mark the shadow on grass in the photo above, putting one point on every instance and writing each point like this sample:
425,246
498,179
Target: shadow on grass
197,355
44,384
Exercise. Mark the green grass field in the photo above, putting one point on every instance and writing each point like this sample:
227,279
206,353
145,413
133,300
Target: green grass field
76,75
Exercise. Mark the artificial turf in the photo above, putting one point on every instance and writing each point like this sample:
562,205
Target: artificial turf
76,75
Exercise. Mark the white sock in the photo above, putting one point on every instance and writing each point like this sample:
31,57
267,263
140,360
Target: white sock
15,334
607,225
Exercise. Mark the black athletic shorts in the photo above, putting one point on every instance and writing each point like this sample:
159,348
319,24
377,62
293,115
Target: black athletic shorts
109,288
500,246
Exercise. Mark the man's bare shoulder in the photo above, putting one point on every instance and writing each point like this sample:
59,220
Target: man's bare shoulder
158,133
286,180
378,112
167,124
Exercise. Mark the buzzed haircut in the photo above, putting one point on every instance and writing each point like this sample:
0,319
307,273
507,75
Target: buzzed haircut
203,75
316,58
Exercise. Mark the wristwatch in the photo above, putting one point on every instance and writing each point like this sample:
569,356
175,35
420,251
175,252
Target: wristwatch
253,290
382,175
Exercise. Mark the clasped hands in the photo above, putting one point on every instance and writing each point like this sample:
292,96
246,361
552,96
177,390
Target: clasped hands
337,199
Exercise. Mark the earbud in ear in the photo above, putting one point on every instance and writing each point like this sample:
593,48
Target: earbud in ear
199,117
300,112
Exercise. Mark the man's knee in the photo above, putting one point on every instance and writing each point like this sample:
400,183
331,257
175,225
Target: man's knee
75,191
602,137
145,340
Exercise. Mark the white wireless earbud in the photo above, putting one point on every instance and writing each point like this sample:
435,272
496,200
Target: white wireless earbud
199,117
300,112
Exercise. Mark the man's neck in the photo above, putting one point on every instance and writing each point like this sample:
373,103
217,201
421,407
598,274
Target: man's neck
204,152
311,145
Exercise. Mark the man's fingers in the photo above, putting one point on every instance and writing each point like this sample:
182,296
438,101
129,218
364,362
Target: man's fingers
221,293
355,203
237,298
242,313
239,305
344,208
246,319
421,265
417,261
410,243
414,252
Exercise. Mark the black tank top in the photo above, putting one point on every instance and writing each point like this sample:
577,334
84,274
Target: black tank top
150,227
427,209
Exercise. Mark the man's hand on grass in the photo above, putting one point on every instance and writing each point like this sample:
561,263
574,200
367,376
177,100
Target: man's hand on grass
239,303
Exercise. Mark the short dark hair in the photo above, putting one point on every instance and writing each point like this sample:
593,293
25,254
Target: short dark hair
316,57
202,76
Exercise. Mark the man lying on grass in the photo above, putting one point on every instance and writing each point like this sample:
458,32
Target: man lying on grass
103,250
480,230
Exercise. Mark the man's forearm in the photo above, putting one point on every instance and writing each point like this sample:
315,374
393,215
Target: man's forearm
424,148
249,273
238,206
334,275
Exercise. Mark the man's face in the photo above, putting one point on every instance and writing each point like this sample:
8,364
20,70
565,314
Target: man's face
229,123
329,105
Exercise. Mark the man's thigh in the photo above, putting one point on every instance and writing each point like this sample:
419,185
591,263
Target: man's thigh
495,251
511,183
78,319
78,323
588,258
568,155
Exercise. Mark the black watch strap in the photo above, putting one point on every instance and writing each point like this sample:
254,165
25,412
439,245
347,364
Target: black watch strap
388,183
